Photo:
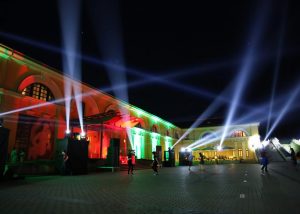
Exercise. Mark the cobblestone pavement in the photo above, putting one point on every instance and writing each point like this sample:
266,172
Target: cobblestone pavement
229,188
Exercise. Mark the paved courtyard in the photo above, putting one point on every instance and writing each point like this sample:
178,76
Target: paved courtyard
229,188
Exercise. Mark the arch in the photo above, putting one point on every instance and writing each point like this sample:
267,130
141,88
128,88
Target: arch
111,107
141,123
90,105
238,132
154,128
38,91
43,80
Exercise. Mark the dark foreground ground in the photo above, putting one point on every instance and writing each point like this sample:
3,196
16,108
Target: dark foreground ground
229,188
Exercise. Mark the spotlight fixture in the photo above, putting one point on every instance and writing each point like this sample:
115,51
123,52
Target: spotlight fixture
83,135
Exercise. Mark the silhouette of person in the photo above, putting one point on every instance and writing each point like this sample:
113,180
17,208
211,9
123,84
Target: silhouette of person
201,161
14,155
66,168
293,156
155,163
130,160
190,159
264,160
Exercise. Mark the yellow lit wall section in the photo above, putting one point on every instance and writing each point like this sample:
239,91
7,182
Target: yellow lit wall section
168,142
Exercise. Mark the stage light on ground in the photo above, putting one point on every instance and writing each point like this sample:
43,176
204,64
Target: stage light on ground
82,134
219,148
254,142
67,133
182,149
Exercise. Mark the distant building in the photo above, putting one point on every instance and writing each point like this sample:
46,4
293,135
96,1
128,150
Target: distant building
240,142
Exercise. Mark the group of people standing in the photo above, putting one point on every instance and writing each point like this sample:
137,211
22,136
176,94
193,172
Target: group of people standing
131,162
265,159
16,156
201,160
263,154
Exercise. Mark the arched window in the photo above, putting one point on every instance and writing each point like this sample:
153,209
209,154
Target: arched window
38,91
167,133
238,133
154,128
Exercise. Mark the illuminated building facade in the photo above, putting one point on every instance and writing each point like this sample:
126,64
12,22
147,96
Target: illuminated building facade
240,143
33,108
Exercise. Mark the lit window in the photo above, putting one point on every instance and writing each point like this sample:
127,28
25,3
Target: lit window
38,91
247,153
238,133
240,153
154,129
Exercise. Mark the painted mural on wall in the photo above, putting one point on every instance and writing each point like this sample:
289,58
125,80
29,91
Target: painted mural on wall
35,136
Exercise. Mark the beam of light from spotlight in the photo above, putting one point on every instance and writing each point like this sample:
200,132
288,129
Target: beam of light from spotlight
215,136
209,111
67,86
57,101
70,19
229,62
277,66
150,78
243,76
284,110
212,107
110,44
31,107
256,115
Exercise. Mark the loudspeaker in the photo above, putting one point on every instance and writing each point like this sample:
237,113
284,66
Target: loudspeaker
169,158
113,153
78,156
4,134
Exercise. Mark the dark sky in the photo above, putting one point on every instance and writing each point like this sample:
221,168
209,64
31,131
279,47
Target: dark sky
204,42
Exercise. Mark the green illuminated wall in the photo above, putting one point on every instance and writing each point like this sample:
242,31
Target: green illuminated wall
155,140
138,142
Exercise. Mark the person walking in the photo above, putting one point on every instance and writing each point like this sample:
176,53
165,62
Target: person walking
264,160
190,159
201,161
130,160
14,156
66,163
155,163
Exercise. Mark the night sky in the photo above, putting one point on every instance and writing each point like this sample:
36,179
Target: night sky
205,43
